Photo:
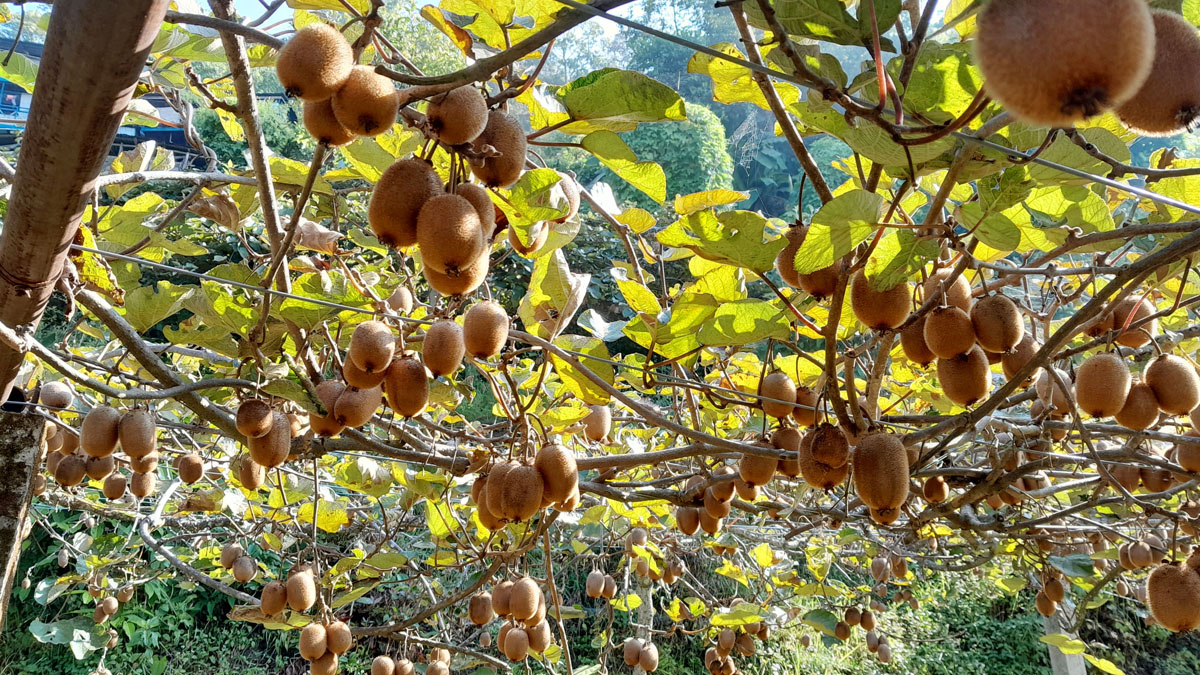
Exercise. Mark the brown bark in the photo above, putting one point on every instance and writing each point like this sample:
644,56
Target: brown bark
94,52
21,449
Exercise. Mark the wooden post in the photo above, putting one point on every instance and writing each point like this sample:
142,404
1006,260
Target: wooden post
1060,663
21,448
93,55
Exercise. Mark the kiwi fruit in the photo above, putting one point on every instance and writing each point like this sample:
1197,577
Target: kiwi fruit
501,595
468,279
190,468
745,491
449,234
1142,310
443,348
948,332
559,472
114,486
716,507
595,583
400,301
828,445
99,433
251,474
355,407
484,207
1012,361
878,310
328,665
143,485
254,418
912,341
315,63
338,638
109,605
598,423
145,463
539,636
819,284
571,192
372,346
56,395
998,324
1057,62
314,641
383,665
757,470
778,386
1058,401
524,598
958,293
407,385
516,644
98,468
965,379
70,471
230,553
935,490
1169,100
328,393
366,104
485,329
1045,606
479,608
539,234
1140,410
520,494
688,519
723,490
632,651
610,586
322,124
405,667
881,472
789,466
397,199
1155,480
301,589
494,494
70,441
805,412
1102,384
503,133
457,116
709,524
138,433
1173,593
1175,384
818,474
272,449
359,378
648,657
273,598
744,645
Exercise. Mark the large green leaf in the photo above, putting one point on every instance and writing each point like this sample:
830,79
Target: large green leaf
744,322
621,95
837,228
147,305
615,154
827,20
574,379
732,237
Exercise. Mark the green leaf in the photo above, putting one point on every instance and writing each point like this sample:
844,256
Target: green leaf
574,380
898,253
994,229
640,299
148,305
686,205
839,226
822,619
554,294
1012,584
615,154
1065,643
534,199
20,70
743,322
740,615
734,238
621,95
1104,665
1073,565
827,20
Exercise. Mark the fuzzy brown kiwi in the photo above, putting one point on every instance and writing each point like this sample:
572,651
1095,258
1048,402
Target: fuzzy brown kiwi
323,125
383,665
598,423
1175,384
190,468
1169,100
114,486
144,464
878,309
501,597
594,585
539,234
516,644
138,433
1173,593
494,495
407,385
958,293
1015,359
457,116
1140,410
98,468
744,645
99,434
301,590
485,329
1154,479
355,407
777,385
328,392
540,636
272,449
400,301
998,324
631,651
71,470
524,598
912,341
948,332
251,474
397,199
723,490
648,657
570,190
1056,62
328,665
819,284
372,346
367,103
709,524
449,234
443,348
935,490
1045,606
405,667
881,472
56,395
1056,400
357,377
714,506
1142,310
484,207
230,553
818,474
315,63
757,470
1055,590
828,445
745,491
965,379
338,637
254,418
479,608
559,471
805,412
1102,384
521,493
688,519
788,439
273,598
503,133
143,485
468,279
314,642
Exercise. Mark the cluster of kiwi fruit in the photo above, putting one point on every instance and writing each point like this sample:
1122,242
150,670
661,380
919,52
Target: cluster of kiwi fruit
90,453
640,654
240,564
298,592
108,605
718,658
600,585
660,570
1173,594
1104,387
386,665
1052,593
1058,62
523,606
516,490
322,644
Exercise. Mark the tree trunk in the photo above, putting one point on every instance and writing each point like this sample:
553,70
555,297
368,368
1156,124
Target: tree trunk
94,52
21,448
